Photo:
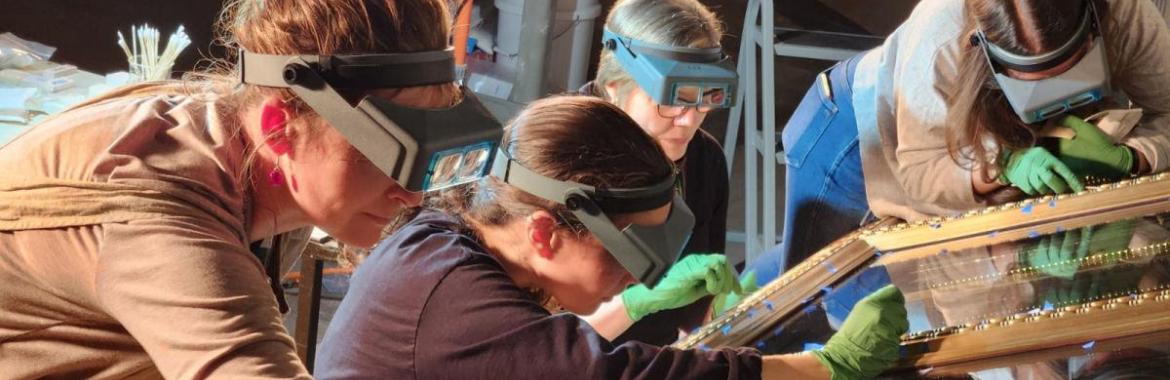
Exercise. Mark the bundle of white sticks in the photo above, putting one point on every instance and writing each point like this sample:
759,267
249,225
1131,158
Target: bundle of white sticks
146,64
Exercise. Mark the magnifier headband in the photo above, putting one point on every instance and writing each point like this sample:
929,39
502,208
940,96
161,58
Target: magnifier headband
676,75
645,251
422,149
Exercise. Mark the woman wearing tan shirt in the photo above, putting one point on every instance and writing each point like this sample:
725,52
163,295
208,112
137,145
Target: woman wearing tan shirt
125,223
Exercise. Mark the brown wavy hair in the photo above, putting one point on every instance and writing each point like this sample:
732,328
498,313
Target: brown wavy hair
987,124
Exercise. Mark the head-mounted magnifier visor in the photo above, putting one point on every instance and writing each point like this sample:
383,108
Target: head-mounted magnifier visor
1036,100
675,75
645,251
422,149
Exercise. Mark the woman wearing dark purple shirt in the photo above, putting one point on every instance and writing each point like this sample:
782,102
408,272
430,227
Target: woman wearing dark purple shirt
473,284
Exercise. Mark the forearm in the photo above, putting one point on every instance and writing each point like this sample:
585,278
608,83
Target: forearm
611,319
793,366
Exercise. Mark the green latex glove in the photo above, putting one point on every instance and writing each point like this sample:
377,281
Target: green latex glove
1092,152
1058,255
1036,172
688,280
725,301
869,340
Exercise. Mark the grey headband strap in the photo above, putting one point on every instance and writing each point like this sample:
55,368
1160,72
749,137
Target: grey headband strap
609,200
676,53
355,71
1032,63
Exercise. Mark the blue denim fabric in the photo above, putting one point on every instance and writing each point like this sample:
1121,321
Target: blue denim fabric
825,194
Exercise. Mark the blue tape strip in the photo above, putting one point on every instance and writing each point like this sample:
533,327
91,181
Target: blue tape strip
726,329
1027,209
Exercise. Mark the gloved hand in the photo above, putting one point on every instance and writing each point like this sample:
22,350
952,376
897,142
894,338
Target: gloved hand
690,279
1059,254
1092,152
869,340
1036,171
725,301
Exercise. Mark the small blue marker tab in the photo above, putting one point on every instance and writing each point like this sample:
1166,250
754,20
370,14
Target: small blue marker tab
751,313
726,329
992,234
1052,203
1047,306
769,305
829,266
935,225
812,346
1027,209
1089,346
760,345
704,347
1032,234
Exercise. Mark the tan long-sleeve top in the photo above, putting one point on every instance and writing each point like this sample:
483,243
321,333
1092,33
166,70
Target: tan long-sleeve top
171,291
900,93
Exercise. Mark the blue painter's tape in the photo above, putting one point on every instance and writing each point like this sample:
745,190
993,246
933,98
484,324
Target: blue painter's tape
1089,346
829,266
760,345
935,225
1032,234
1048,306
1052,203
751,313
769,305
726,329
1027,209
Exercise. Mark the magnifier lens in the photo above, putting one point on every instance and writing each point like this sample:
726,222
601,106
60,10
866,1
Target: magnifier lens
687,95
475,164
715,97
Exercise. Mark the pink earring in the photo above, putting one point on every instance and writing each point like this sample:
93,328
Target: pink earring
276,177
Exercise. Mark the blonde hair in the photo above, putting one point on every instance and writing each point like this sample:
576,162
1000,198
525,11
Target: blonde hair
684,23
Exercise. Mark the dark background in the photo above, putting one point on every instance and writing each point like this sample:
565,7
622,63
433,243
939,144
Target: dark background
84,32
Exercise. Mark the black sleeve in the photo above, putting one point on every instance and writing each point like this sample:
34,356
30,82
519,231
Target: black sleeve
477,322
717,225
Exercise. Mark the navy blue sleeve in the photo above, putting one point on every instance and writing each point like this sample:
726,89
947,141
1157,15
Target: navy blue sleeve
477,321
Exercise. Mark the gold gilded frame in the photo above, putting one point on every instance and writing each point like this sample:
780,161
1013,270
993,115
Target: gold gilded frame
959,348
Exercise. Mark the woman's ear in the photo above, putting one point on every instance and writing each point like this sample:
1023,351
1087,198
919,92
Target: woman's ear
541,231
274,118
611,89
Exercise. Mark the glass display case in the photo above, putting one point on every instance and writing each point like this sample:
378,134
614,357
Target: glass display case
1071,286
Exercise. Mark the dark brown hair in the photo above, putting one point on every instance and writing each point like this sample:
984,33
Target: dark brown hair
569,138
985,121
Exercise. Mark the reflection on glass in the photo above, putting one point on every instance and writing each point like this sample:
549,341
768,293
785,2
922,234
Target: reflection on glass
951,292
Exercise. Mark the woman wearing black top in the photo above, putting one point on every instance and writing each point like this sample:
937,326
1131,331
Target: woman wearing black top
704,179
463,288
